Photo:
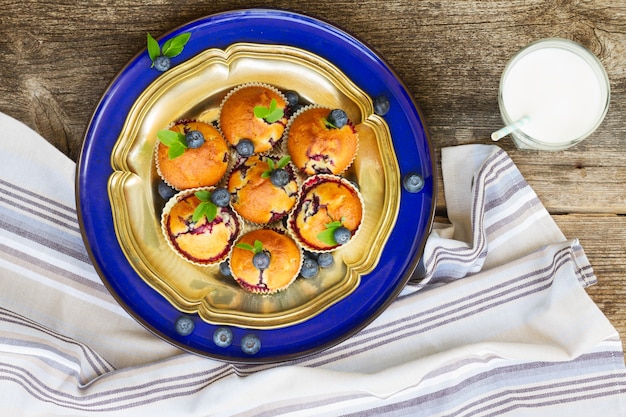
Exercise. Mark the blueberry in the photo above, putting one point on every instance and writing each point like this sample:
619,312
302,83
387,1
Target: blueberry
245,147
165,190
310,267
293,97
220,197
222,337
325,260
250,344
338,118
296,108
225,269
194,139
381,105
261,260
279,177
162,63
413,182
184,326
342,235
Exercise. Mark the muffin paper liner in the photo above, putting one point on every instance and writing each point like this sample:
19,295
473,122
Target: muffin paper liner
165,213
285,141
158,166
233,91
293,169
280,230
309,183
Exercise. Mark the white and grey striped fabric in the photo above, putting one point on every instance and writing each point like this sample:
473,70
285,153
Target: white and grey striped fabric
500,324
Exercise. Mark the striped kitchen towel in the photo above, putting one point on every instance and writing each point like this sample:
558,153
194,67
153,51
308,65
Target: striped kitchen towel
498,323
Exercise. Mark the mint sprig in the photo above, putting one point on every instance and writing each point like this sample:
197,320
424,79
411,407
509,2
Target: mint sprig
174,141
282,162
257,248
171,48
329,124
206,208
270,114
328,235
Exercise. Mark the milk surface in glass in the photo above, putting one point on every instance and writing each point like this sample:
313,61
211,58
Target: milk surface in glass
563,93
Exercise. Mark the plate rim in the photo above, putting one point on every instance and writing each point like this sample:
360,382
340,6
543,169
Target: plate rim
301,19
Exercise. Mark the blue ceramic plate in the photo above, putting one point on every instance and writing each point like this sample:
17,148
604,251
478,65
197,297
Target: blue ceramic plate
375,292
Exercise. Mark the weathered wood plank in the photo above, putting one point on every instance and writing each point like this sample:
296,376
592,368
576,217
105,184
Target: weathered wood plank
571,188
603,238
58,58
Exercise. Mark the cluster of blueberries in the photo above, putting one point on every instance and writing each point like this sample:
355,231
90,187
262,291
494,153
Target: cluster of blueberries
311,263
222,336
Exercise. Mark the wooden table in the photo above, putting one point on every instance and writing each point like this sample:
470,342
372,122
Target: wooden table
58,58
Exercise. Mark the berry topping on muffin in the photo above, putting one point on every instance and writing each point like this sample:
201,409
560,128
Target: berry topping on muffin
321,140
191,154
263,188
197,229
328,215
265,261
254,113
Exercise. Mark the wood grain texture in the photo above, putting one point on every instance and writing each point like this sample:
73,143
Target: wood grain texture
59,56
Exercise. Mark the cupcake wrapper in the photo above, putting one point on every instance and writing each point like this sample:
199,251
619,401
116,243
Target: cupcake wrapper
165,213
242,86
292,168
306,186
274,290
157,165
285,140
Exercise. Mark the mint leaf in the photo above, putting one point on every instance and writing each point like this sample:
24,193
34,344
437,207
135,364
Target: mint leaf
174,46
203,195
274,116
175,151
268,173
270,114
174,141
261,112
245,246
282,162
205,209
328,236
153,49
169,137
334,225
171,48
329,124
257,248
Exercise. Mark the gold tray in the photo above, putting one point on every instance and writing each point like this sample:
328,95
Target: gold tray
194,90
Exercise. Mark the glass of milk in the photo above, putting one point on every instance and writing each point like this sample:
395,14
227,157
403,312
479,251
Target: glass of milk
553,94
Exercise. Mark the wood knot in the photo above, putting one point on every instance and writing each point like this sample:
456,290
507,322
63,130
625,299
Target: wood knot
24,44
47,115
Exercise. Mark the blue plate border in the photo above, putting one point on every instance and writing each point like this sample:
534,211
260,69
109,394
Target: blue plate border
376,290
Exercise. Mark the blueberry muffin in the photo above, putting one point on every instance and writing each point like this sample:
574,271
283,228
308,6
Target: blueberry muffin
191,154
321,140
263,188
197,229
328,214
253,114
265,261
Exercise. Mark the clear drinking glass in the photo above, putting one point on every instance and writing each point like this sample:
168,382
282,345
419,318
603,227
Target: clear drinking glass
553,94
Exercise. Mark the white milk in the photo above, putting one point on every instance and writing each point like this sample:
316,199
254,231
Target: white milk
562,94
